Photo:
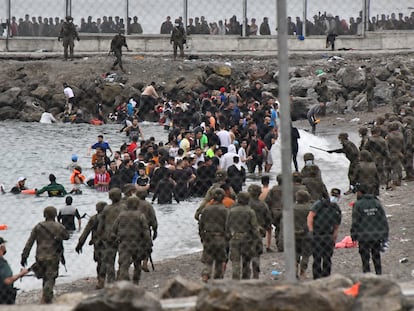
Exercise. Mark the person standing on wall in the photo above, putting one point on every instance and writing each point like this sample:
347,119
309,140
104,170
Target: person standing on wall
117,43
68,33
178,38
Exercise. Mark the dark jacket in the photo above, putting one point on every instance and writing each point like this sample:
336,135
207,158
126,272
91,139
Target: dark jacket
369,222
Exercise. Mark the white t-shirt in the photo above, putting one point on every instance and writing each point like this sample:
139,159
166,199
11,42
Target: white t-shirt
225,138
47,117
68,92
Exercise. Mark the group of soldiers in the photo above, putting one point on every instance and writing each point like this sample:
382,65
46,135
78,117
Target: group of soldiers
127,226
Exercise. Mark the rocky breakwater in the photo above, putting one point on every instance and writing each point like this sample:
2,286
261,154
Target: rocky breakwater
361,292
29,88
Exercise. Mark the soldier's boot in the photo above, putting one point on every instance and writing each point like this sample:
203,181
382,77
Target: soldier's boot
101,282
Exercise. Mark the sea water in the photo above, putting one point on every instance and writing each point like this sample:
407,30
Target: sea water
35,150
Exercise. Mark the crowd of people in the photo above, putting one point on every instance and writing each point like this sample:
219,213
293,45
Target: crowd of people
318,25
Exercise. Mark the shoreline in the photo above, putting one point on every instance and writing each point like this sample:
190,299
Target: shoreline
345,261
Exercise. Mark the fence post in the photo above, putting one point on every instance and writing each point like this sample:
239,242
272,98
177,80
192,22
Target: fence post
8,24
126,23
287,197
244,34
185,14
305,17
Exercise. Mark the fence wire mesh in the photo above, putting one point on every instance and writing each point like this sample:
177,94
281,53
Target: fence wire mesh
217,165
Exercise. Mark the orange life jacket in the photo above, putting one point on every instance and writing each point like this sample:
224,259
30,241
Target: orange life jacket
78,174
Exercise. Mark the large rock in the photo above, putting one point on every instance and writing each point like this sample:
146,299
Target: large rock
261,295
119,297
8,113
300,107
300,86
224,71
180,287
382,93
378,293
110,91
215,81
9,97
41,92
260,74
382,73
351,78
31,109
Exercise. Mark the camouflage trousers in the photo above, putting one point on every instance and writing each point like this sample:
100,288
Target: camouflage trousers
241,254
129,253
108,264
48,271
214,254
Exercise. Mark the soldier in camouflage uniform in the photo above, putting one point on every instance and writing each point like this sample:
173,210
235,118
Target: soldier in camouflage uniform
366,172
378,148
264,219
302,241
68,33
363,133
352,154
243,229
212,230
117,43
395,141
369,88
148,210
105,223
408,132
48,235
274,202
178,38
98,247
131,232
221,177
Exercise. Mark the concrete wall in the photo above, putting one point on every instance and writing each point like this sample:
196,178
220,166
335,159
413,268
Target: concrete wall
215,44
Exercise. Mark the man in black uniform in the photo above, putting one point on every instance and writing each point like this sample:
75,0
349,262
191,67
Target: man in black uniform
323,221
68,33
369,228
116,47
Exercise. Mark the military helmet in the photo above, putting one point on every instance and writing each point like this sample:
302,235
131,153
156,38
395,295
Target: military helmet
128,188
254,191
297,177
343,136
393,126
363,130
302,196
142,194
100,206
132,203
308,156
115,194
243,198
50,212
69,18
218,194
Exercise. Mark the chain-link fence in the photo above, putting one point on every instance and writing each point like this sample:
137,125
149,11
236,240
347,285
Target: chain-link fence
217,157
348,18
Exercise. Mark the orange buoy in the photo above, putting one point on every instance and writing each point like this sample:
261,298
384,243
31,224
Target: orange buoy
29,191
3,227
